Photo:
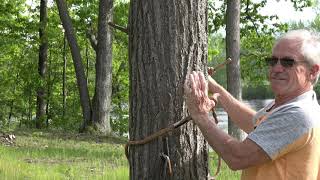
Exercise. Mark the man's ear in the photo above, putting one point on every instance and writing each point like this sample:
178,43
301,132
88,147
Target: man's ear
315,70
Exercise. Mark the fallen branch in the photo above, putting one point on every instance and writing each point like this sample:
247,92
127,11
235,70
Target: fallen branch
7,139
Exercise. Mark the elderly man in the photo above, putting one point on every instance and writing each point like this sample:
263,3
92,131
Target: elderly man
283,139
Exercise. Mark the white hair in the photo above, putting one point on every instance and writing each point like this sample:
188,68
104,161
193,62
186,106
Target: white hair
309,45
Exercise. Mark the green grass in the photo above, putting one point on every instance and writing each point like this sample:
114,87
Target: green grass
225,173
52,155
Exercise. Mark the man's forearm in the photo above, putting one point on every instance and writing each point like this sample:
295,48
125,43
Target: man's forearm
222,143
238,155
240,113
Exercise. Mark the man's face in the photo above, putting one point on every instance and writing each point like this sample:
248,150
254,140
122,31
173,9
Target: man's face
289,81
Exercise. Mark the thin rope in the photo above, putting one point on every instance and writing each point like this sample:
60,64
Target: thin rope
164,132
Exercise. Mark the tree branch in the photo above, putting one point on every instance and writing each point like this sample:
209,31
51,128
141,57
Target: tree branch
92,38
120,28
250,18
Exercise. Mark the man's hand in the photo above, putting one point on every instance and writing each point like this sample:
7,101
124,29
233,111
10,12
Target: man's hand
196,94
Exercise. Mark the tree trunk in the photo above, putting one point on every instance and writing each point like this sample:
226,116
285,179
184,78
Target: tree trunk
49,87
87,63
12,103
167,40
76,57
30,106
42,65
103,87
10,113
233,51
64,79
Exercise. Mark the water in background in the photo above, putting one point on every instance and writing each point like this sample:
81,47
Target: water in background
255,104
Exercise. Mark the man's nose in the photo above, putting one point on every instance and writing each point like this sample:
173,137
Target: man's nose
278,67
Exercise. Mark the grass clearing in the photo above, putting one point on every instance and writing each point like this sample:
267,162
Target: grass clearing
53,155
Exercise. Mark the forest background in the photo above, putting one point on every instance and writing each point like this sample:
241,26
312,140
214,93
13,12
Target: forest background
54,74
19,59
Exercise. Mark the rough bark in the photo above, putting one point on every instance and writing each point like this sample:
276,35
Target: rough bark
42,65
233,51
103,88
77,62
167,40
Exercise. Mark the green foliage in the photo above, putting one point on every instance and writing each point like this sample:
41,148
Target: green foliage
18,70
18,66
257,35
216,15
257,92
300,4
19,25
250,19
254,49
16,55
216,55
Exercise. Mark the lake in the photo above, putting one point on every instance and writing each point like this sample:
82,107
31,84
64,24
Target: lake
255,104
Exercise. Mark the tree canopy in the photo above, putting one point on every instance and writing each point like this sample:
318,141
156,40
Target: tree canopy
19,24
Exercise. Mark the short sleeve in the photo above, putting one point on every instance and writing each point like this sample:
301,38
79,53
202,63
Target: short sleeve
282,131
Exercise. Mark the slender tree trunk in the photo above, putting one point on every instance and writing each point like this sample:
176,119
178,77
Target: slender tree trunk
47,109
30,106
10,113
233,51
64,79
103,87
76,57
12,102
87,63
167,40
49,85
20,121
42,66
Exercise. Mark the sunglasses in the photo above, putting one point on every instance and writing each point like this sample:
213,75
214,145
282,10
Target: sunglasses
286,62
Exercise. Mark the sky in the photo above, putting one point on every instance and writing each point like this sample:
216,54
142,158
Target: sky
286,12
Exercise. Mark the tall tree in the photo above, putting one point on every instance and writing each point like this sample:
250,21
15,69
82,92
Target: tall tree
99,115
42,65
103,88
167,40
233,51
77,62
64,76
